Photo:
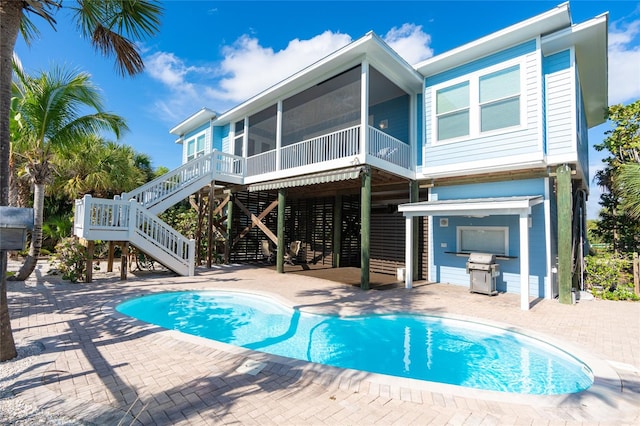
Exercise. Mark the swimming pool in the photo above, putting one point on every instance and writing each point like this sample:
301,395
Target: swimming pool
405,345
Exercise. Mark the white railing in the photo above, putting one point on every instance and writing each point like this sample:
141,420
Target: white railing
332,146
129,221
388,148
261,163
215,165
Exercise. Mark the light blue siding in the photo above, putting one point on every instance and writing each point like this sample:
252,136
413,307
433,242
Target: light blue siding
583,138
487,61
521,141
560,102
450,267
420,130
220,134
195,131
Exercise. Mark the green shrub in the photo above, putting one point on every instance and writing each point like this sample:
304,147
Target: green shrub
607,276
71,259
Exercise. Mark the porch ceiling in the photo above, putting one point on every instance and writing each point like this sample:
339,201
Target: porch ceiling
472,206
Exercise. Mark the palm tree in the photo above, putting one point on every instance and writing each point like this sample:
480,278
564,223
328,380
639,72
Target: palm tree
98,167
47,111
628,184
113,26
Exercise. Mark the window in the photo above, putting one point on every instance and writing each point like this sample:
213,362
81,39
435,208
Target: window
452,109
500,99
484,239
239,137
195,147
482,103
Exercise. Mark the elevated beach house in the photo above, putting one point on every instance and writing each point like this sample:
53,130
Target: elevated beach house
369,161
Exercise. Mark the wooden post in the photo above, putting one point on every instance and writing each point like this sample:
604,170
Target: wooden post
414,197
90,249
124,261
110,254
564,201
282,202
210,225
337,230
636,274
227,243
365,228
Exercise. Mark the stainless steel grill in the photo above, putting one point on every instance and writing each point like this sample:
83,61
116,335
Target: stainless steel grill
483,270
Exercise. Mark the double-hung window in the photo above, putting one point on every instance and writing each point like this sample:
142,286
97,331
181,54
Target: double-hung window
452,110
483,102
500,99
195,147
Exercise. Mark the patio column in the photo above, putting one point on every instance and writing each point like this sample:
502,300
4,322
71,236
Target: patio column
282,202
563,194
414,197
365,227
408,255
337,230
524,261
279,136
364,110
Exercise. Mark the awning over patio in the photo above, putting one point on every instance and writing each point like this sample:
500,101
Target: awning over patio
311,179
520,206
472,206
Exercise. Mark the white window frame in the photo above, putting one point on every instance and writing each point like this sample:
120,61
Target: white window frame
474,102
504,229
194,140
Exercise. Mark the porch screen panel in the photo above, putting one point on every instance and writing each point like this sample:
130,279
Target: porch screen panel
388,106
326,107
262,131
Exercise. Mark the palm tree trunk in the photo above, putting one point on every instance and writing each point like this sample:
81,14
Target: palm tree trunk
36,235
10,15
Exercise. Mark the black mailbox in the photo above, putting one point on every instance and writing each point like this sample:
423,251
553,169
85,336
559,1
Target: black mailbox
14,223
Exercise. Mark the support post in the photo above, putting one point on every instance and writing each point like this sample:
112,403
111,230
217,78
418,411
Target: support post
227,243
365,227
282,202
124,259
408,255
414,197
524,261
564,201
110,256
90,249
337,230
210,242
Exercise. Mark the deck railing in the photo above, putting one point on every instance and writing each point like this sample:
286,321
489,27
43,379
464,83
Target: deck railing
388,148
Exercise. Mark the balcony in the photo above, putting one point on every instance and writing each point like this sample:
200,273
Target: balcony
334,150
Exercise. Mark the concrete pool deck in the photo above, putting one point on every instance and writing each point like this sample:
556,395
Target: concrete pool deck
101,367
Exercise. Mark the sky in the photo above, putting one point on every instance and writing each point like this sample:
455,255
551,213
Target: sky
217,54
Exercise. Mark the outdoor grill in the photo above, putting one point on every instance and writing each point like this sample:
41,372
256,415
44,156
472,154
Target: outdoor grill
483,270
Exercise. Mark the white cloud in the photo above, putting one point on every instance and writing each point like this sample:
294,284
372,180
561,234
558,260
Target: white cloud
247,68
624,62
410,42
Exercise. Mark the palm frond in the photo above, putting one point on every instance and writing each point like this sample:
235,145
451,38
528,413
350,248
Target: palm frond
628,185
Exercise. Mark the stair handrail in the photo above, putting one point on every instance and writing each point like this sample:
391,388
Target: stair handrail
216,163
135,223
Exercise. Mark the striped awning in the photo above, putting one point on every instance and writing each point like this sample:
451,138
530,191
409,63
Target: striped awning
311,179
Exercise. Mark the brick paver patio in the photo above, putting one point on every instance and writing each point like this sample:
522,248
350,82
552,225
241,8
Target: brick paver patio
104,368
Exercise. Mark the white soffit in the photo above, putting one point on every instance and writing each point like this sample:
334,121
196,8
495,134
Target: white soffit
313,179
472,206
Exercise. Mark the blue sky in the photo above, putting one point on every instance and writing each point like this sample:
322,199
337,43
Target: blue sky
219,53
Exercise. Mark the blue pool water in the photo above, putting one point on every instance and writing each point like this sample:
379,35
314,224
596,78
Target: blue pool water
415,346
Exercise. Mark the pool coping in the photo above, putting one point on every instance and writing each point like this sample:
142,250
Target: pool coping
600,401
